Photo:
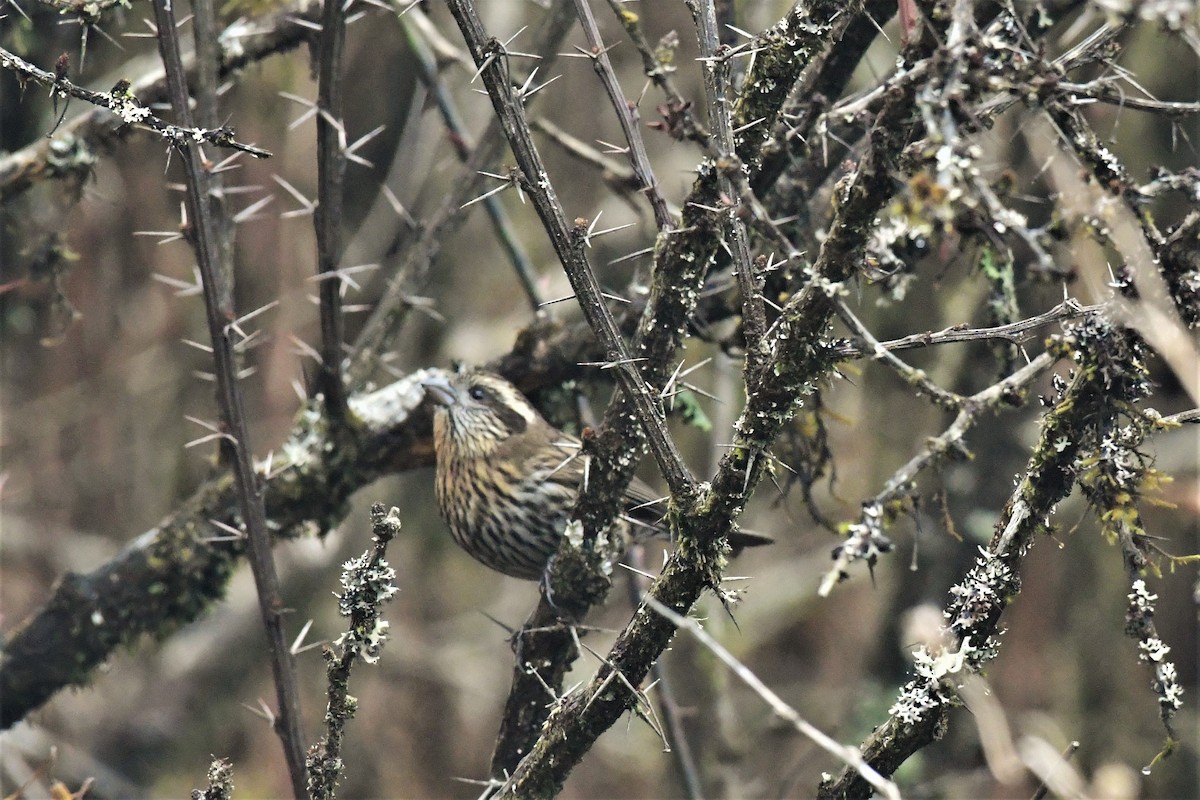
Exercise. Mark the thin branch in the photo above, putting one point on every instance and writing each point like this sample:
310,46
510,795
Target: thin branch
122,103
1016,332
865,539
417,29
389,313
250,500
1105,94
716,87
681,749
207,63
617,176
658,72
627,115
568,240
845,753
942,446
327,220
914,377
1191,416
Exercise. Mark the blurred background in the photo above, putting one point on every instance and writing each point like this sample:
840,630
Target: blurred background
98,382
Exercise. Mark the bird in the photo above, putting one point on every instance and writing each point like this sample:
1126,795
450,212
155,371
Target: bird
506,480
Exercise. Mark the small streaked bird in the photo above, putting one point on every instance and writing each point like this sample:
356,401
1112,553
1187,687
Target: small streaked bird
507,479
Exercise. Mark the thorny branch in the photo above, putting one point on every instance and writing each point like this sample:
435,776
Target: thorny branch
205,243
679,273
1014,333
716,91
327,219
790,351
72,149
386,319
128,108
626,114
702,519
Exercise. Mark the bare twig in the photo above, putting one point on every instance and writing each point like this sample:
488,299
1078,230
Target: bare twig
653,66
207,64
845,753
911,375
998,394
1063,760
618,176
1106,94
1190,416
865,539
389,313
1016,332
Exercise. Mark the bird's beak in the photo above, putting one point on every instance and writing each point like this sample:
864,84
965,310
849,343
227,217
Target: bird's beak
440,390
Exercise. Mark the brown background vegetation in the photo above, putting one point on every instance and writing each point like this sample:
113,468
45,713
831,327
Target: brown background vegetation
94,453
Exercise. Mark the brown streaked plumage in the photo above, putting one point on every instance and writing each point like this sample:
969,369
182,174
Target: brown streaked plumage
507,479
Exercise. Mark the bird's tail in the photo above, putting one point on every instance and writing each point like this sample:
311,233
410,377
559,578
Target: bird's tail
740,540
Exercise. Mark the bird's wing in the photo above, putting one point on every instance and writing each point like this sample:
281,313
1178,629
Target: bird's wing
556,455
546,452
643,505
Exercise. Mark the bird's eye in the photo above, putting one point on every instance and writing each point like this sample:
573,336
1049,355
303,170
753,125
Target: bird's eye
477,392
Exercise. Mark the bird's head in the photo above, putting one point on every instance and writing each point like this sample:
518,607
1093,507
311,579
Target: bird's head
476,412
